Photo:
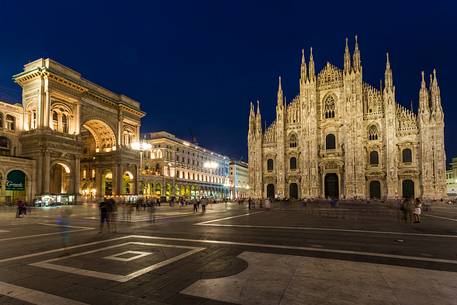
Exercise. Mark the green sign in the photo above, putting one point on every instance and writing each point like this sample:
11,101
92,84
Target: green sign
15,181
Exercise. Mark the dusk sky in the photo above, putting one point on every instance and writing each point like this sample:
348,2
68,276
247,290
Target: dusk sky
196,65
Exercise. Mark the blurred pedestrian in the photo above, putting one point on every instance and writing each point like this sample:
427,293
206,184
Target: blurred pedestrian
417,210
104,216
64,222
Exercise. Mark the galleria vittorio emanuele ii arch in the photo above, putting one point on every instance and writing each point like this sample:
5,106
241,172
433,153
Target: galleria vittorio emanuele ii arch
75,134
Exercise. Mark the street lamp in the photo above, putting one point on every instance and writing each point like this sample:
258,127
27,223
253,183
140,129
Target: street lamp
141,146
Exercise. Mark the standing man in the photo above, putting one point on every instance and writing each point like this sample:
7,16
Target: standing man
104,217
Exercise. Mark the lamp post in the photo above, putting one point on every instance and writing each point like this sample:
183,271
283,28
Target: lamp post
140,146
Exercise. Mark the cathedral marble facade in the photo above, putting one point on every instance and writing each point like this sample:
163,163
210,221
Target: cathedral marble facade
343,138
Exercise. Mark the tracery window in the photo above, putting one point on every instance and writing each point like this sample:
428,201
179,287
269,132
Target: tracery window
372,133
293,141
407,155
329,107
10,122
1,120
293,163
330,141
374,158
270,165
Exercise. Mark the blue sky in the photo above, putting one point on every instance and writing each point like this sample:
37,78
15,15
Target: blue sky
196,65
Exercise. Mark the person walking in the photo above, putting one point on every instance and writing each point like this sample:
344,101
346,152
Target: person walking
249,203
204,201
417,210
195,204
104,217
112,214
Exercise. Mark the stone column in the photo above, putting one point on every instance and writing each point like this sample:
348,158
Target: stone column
46,172
98,183
76,177
117,179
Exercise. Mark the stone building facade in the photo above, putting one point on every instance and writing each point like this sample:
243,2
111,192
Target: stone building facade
76,135
341,137
173,167
451,179
239,180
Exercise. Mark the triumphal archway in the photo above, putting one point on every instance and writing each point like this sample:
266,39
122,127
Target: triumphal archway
79,133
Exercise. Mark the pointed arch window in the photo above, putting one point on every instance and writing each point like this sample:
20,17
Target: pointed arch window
1,120
270,165
293,163
373,133
330,141
293,141
374,158
329,107
407,155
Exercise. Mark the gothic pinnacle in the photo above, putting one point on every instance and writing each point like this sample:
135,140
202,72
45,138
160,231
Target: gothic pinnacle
347,58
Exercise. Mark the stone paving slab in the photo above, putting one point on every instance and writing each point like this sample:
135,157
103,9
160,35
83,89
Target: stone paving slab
289,280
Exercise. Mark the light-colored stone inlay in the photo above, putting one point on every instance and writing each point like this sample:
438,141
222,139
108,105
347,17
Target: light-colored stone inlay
118,256
296,280
48,264
33,296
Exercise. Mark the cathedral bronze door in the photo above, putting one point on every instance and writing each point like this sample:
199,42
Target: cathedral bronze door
375,190
270,191
408,188
293,191
331,186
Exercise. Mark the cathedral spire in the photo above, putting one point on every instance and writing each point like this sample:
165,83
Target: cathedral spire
251,119
280,93
303,67
356,57
388,81
311,72
424,104
435,96
258,118
347,59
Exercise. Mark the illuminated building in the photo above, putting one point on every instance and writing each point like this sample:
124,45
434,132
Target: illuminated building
239,180
68,136
173,167
341,137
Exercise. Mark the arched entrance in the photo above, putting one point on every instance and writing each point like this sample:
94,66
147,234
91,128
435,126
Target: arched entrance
127,183
107,184
16,185
98,137
271,190
60,179
331,186
375,189
408,188
293,191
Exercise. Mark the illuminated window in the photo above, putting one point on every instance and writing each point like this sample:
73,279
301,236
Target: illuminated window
10,122
84,174
55,120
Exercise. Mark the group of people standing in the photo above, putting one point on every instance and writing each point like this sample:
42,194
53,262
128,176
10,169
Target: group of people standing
411,209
